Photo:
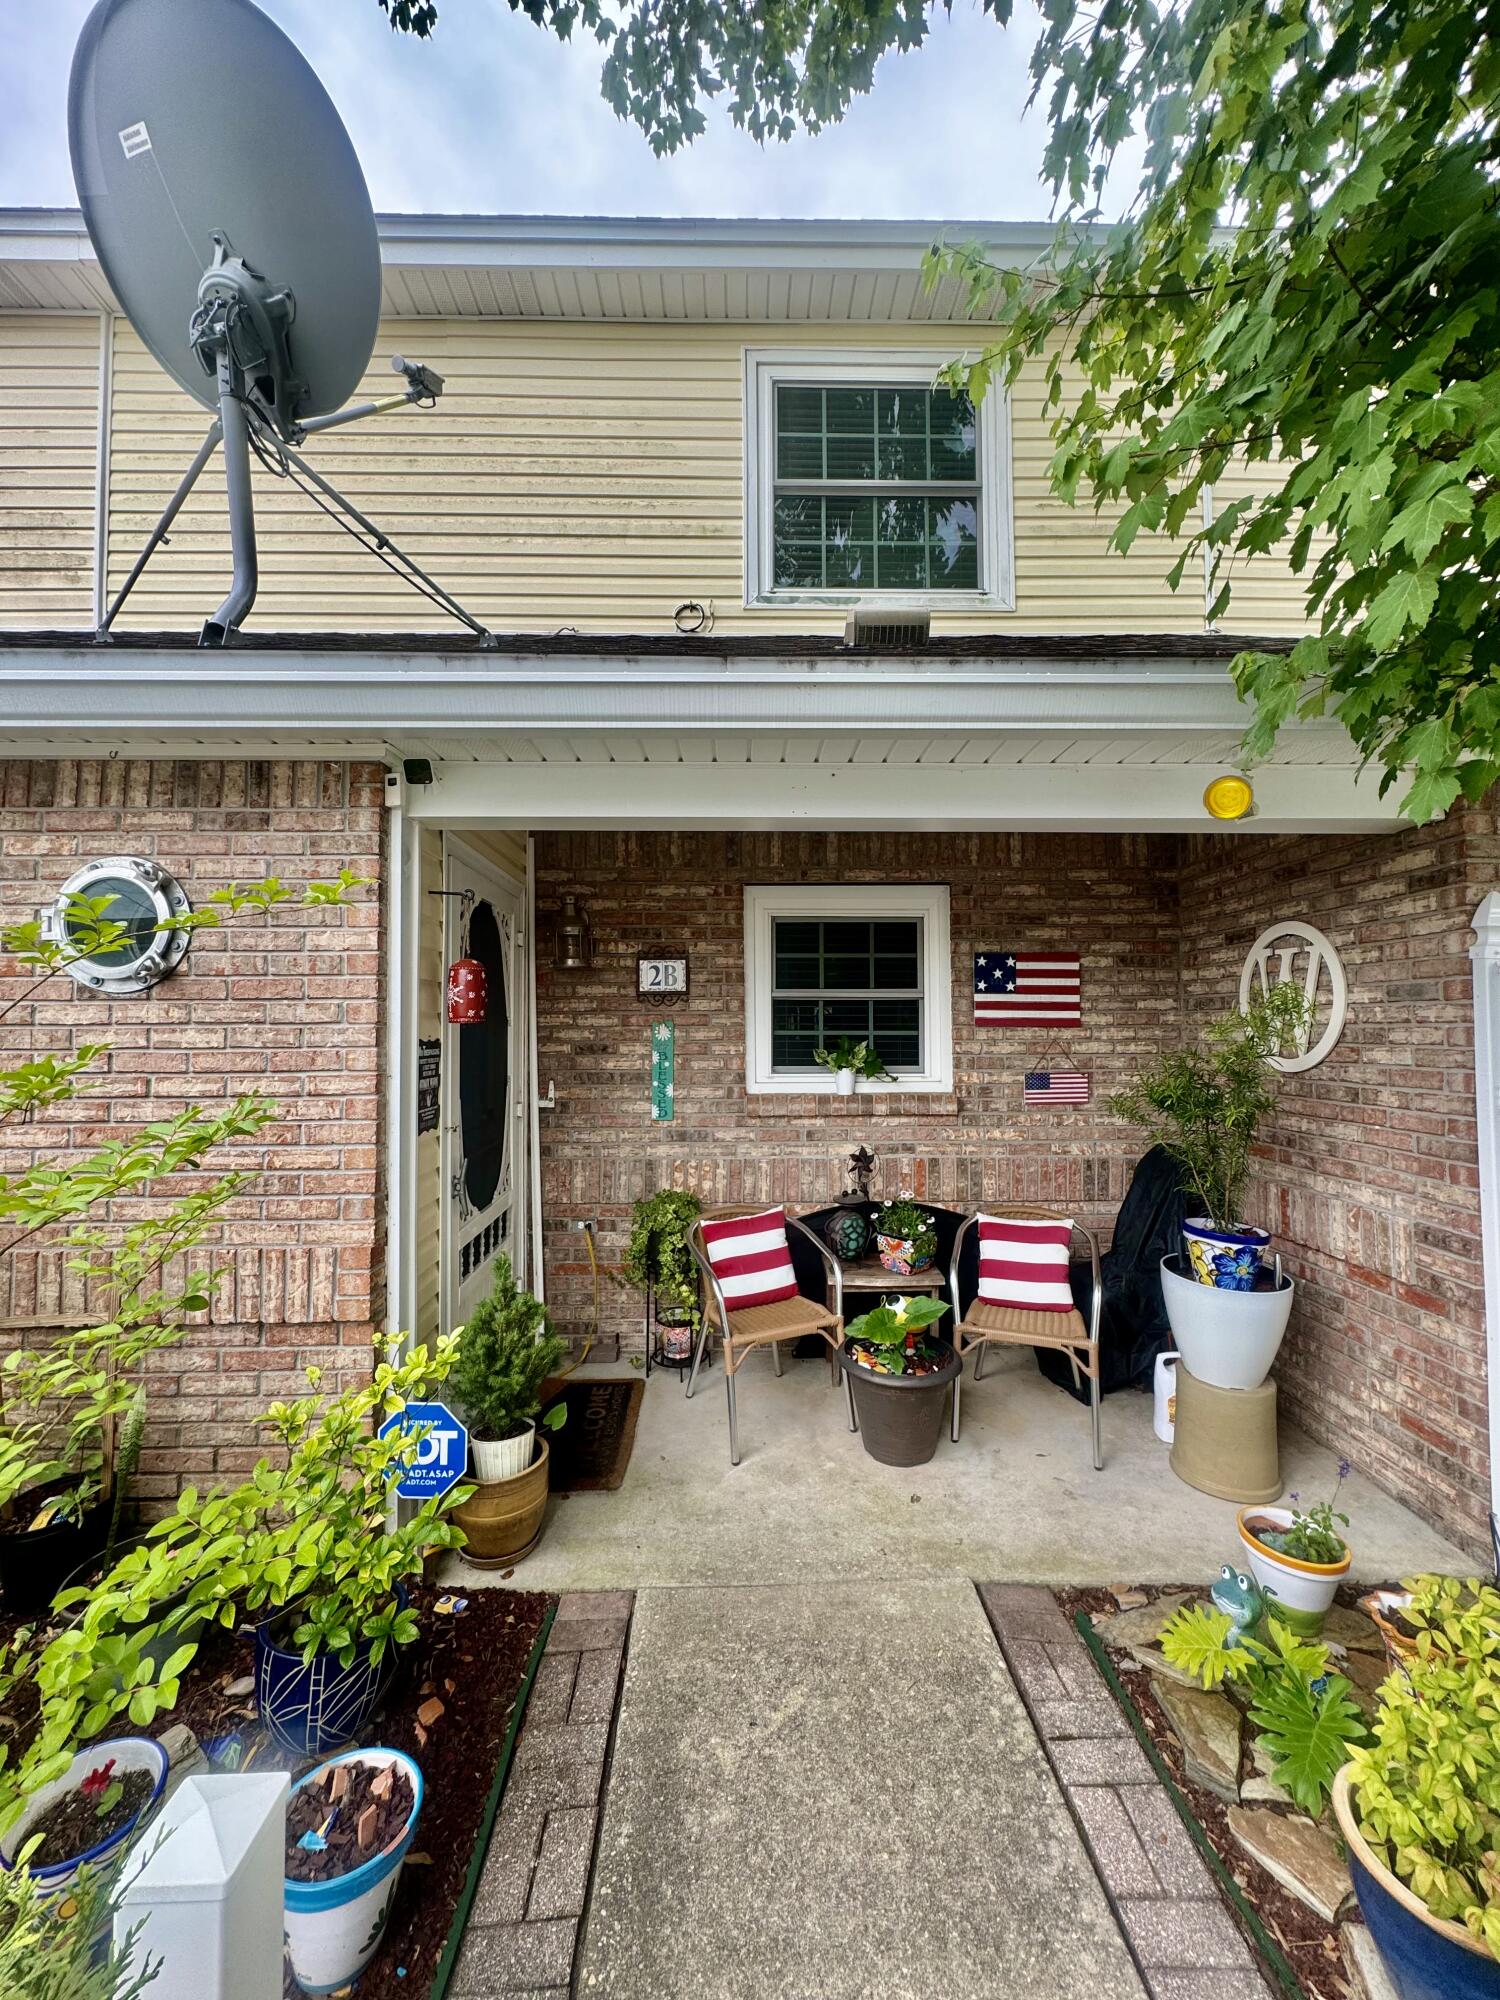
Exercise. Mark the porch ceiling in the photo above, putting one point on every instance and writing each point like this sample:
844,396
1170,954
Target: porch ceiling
651,735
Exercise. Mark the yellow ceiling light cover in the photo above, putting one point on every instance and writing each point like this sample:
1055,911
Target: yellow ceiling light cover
1229,797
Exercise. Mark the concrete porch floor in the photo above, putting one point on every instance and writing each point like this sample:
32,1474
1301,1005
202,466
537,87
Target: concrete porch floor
1016,1498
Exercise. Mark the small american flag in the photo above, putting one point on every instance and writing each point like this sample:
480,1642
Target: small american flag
1027,989
1056,1086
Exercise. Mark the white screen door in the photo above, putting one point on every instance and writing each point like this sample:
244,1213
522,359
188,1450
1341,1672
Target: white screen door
485,1080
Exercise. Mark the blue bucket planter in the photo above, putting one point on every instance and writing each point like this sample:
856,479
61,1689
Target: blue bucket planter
130,1753
1427,1957
317,1706
334,1928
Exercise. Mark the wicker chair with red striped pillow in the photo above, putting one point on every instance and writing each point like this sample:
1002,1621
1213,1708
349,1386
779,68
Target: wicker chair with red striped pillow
750,1293
1023,1297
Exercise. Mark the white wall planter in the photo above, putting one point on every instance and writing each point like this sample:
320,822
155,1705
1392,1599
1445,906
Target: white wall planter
502,1458
202,1887
1301,1590
1229,1340
334,1928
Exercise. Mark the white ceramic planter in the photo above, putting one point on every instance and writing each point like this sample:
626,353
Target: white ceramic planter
334,1928
130,1753
843,1082
1301,1590
503,1458
1227,1339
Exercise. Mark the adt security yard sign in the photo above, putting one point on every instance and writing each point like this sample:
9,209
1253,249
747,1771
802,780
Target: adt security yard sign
441,1456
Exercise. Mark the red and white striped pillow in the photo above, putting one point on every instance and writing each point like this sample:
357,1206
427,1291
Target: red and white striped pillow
751,1258
1025,1263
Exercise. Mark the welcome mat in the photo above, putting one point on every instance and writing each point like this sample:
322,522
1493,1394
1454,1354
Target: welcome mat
592,1450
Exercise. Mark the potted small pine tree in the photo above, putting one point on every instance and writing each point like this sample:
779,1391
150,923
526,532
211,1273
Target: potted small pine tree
505,1353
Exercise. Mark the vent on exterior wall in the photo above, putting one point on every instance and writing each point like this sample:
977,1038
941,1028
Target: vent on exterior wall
887,631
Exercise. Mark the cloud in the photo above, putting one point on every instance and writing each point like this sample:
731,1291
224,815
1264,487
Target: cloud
494,114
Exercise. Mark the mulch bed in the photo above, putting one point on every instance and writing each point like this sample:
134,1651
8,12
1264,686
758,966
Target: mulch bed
472,1665
1310,1946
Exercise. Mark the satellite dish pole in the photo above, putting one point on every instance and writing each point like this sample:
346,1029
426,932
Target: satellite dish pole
180,188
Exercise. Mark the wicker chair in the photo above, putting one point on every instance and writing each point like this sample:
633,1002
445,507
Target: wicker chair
764,1326
981,1324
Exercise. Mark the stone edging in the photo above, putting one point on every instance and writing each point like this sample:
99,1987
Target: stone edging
1182,1938
523,1928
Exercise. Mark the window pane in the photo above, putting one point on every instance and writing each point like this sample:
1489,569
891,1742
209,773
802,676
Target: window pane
798,566
799,409
898,935
896,1031
901,458
800,974
902,521
903,412
851,457
814,958
851,410
850,566
846,1017
799,518
955,544
897,971
902,568
799,458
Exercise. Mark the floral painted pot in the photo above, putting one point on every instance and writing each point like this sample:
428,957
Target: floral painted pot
334,1928
130,1753
1300,1592
1428,1957
503,1458
898,1255
316,1706
1228,1259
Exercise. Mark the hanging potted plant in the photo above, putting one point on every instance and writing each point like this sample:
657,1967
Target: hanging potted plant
905,1238
1299,1559
898,1376
506,1352
658,1261
349,1824
851,1062
1417,1806
1227,1309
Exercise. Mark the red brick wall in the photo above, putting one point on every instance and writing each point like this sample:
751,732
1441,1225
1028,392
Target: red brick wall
1113,898
1369,1175
288,1004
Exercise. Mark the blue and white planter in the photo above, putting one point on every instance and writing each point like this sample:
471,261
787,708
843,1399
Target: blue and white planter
1229,1259
317,1706
334,1928
1427,1957
130,1753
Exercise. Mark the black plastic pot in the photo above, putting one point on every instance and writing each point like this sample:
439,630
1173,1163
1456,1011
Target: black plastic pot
900,1417
35,1563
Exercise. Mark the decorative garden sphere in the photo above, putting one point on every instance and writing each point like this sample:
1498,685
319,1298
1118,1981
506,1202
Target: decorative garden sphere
848,1234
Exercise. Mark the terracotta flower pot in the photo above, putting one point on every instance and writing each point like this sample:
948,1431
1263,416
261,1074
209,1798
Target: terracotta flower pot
502,1518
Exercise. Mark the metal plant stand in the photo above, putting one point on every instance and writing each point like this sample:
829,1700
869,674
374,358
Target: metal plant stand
657,1354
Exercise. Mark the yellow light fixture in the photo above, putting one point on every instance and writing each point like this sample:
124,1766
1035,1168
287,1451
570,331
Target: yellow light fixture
1229,797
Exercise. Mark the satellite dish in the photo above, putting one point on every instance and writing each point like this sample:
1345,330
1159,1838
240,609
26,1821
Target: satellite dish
227,207
202,142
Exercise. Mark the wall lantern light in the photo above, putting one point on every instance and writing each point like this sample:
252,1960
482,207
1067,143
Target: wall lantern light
134,898
1229,798
575,942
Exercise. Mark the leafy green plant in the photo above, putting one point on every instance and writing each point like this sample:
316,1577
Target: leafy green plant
658,1254
908,1222
1205,1104
506,1351
888,1326
1302,1711
846,1053
1312,1536
1426,1790
49,1945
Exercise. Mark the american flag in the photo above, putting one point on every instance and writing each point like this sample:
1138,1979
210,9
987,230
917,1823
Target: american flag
1056,1086
1027,989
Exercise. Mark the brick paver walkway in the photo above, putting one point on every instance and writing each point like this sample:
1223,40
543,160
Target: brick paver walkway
1168,1904
523,1929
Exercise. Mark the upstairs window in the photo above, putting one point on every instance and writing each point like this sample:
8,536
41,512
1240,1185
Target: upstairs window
864,481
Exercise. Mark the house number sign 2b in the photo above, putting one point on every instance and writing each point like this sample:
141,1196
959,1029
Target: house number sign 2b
1303,955
660,976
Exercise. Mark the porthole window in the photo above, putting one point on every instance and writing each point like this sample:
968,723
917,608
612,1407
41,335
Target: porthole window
140,896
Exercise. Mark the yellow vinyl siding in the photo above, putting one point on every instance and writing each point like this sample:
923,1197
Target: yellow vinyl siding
49,449
1267,598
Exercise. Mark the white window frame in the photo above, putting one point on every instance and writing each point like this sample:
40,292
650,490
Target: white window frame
765,368
898,900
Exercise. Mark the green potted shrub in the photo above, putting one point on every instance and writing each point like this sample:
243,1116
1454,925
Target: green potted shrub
1204,1104
898,1375
850,1062
505,1353
1419,1805
658,1260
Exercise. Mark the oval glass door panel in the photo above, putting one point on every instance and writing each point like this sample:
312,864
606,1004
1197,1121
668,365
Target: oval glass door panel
484,1067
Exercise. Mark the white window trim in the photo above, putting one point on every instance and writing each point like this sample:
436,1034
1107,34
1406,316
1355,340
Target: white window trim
763,904
764,368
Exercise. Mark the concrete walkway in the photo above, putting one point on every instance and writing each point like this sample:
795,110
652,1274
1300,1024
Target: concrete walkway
834,1791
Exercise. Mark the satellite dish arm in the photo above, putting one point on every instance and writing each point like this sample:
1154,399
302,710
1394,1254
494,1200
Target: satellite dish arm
234,422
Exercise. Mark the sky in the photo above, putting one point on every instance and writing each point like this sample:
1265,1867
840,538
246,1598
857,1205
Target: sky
495,115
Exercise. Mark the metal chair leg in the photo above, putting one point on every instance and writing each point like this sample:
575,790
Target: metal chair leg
958,1381
1098,1430
981,1355
776,1354
697,1357
734,1439
849,1394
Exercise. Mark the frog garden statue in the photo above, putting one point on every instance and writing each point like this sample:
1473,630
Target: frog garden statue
1242,1601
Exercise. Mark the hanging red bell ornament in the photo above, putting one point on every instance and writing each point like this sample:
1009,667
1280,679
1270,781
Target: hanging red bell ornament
468,992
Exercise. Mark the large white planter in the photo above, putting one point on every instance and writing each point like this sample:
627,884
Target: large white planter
130,1753
1301,1590
334,1928
1227,1339
502,1458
